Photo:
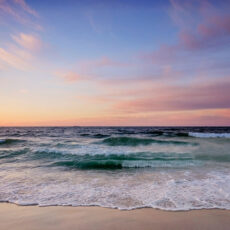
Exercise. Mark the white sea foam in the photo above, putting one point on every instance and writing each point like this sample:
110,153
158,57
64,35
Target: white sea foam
209,135
164,190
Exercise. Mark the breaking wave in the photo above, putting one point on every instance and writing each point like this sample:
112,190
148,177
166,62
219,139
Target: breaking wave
209,135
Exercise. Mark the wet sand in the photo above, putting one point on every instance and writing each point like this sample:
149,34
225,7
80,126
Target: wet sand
15,217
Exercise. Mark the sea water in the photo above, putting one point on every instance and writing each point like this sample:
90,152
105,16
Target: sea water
170,168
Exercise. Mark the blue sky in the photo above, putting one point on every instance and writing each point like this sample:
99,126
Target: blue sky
114,62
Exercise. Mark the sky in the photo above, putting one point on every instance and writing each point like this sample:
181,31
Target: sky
114,63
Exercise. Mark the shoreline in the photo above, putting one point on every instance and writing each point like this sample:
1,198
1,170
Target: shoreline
113,208
13,216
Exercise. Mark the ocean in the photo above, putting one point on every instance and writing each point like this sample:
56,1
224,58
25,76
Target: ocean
168,168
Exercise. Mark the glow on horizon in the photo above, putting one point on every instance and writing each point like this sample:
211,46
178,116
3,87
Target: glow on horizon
110,64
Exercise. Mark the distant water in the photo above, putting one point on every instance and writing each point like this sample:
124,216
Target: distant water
118,167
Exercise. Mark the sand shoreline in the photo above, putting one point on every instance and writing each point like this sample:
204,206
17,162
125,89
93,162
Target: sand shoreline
66,217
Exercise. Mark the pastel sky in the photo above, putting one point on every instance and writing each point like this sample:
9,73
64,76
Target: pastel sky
104,62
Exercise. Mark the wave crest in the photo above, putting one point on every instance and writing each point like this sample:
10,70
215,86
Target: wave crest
10,141
133,141
209,135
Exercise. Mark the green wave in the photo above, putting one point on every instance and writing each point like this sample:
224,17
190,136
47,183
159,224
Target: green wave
136,160
109,164
113,161
133,141
217,158
10,141
98,135
12,153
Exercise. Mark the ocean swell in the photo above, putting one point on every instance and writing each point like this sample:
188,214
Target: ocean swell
170,168
10,141
134,141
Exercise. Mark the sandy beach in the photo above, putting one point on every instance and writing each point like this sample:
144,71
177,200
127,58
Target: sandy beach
58,218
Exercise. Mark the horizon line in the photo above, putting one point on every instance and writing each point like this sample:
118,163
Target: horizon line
107,126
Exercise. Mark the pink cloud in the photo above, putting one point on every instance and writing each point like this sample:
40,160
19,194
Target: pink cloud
84,70
216,26
213,32
21,53
177,98
100,63
28,41
165,54
10,7
201,26
209,27
20,12
15,60
26,7
189,40
70,76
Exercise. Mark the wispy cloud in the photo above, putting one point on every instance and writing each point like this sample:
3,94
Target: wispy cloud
85,69
207,26
20,49
10,59
20,12
21,52
26,7
202,27
195,96
92,22
70,76
28,41
101,63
